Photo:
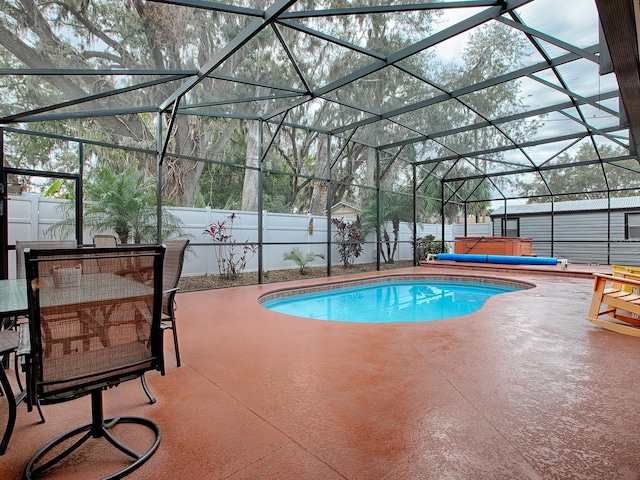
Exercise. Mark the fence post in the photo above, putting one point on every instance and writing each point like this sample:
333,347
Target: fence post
34,216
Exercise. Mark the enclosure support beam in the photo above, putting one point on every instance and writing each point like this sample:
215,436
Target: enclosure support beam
442,217
261,156
464,209
161,151
609,227
162,146
553,224
328,203
4,215
79,192
378,216
503,228
414,169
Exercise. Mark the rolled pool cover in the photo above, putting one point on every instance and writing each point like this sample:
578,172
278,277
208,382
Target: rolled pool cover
507,259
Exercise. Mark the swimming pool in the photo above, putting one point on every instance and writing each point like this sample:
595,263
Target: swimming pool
391,299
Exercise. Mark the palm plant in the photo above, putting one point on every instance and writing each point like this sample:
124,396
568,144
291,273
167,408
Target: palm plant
301,259
394,208
123,203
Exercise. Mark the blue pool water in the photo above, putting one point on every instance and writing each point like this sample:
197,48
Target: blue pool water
391,301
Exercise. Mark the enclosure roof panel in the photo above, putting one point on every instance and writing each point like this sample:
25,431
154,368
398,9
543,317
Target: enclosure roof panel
500,85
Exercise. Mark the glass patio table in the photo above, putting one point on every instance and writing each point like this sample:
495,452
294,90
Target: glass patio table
13,298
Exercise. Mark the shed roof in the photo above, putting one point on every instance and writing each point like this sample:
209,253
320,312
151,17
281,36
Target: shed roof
617,203
345,205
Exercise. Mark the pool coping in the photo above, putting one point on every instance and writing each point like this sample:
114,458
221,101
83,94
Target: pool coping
289,291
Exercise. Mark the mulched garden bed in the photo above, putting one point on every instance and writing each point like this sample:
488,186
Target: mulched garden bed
210,282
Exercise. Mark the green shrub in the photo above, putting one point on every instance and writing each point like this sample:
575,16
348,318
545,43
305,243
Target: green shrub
428,244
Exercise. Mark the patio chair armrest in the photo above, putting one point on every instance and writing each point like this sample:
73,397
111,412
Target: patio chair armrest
170,291
599,277
630,275
169,299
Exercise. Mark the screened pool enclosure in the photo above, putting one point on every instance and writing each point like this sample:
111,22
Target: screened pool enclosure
405,111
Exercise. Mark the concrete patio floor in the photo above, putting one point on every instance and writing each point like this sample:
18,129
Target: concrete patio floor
525,388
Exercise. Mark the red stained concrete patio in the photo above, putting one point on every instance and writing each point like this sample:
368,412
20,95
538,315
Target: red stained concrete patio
524,389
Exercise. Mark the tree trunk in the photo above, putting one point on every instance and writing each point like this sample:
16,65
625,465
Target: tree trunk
250,186
319,195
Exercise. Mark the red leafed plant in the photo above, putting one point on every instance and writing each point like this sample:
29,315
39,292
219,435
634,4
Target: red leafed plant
350,237
232,257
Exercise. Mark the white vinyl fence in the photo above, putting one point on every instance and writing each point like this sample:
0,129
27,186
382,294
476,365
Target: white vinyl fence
30,216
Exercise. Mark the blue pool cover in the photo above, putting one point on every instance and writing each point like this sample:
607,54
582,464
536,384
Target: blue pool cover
508,259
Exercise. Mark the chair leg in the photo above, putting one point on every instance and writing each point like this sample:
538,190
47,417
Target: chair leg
169,324
175,343
16,365
22,389
98,428
152,399
42,420
11,400
19,381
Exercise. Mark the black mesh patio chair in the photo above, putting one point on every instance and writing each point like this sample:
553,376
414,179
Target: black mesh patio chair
105,241
111,241
173,262
112,328
21,245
